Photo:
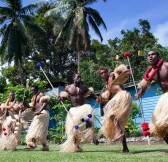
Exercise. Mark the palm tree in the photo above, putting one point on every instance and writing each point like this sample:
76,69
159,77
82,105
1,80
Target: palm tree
15,22
77,17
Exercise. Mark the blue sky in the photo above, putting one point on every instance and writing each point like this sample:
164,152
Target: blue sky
124,14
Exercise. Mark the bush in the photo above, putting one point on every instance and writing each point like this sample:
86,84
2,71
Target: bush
132,128
58,117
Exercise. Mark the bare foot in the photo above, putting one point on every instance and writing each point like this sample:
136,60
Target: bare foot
125,151
117,137
32,145
95,141
79,149
28,148
45,148
14,149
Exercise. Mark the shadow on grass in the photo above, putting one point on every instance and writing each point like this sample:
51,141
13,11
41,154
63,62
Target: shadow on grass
144,151
36,150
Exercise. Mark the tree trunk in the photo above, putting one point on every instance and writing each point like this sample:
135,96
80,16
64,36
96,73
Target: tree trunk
78,55
21,73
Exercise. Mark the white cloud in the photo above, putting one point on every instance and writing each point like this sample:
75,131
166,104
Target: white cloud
161,32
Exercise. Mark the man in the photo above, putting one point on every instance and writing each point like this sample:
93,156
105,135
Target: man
158,72
79,122
118,104
39,127
10,123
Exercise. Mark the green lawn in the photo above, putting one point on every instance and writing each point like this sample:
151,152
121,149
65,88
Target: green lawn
140,152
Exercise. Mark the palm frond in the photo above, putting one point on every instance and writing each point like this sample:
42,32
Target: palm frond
96,16
26,17
89,2
5,32
5,11
3,19
58,10
85,32
34,27
65,27
23,34
95,28
14,4
70,32
67,14
58,25
30,8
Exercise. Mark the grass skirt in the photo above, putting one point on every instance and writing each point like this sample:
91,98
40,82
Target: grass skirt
8,140
159,122
39,128
82,134
119,106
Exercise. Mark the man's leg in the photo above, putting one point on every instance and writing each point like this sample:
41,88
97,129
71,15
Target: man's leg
31,144
77,143
166,138
124,143
95,140
118,131
45,147
43,141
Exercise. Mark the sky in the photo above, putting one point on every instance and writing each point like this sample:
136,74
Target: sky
124,15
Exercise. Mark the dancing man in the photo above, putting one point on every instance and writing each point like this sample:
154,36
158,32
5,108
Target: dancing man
11,126
158,71
38,129
118,104
79,122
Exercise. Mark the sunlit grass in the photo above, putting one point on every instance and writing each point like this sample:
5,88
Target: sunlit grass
100,153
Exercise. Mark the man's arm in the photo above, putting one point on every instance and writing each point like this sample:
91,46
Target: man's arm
44,102
142,86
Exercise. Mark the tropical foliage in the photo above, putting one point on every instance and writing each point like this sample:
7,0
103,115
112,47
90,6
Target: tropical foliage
15,23
74,22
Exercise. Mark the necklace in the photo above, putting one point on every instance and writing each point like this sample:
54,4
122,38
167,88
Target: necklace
146,77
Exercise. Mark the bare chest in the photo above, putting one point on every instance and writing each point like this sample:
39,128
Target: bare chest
161,75
75,91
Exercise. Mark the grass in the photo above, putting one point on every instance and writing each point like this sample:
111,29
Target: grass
139,152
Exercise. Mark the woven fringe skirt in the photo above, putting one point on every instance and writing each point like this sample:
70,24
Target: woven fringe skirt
39,127
76,136
119,106
8,140
159,122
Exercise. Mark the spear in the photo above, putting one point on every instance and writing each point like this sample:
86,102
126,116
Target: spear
127,55
38,64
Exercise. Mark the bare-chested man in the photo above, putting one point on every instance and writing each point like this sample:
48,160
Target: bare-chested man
79,114
118,107
38,129
10,123
77,91
158,71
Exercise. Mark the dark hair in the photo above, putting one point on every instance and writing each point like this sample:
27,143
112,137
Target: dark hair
74,74
102,68
155,52
35,87
12,92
